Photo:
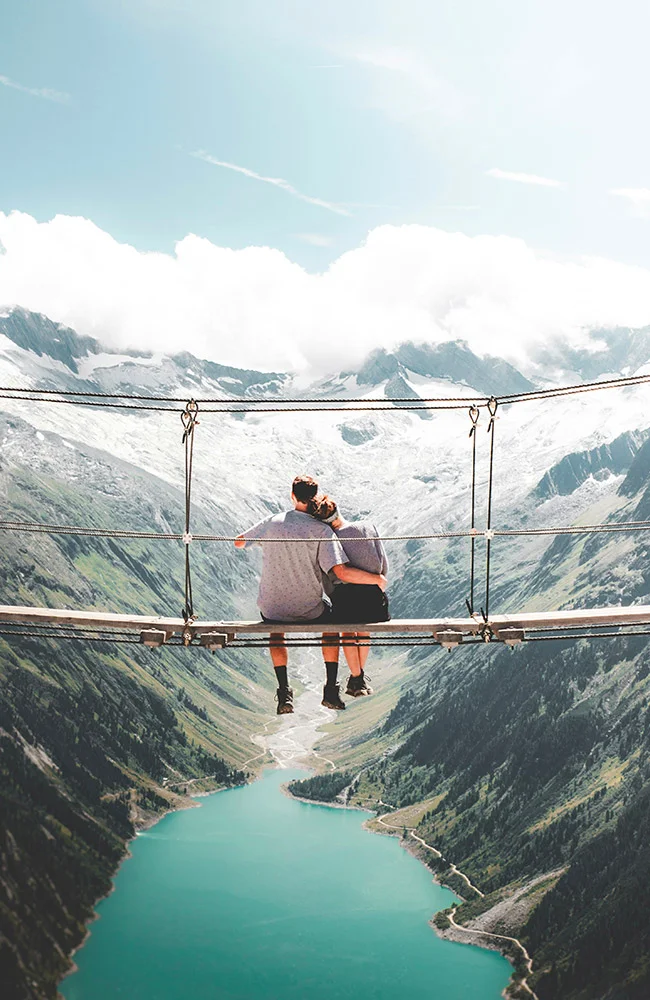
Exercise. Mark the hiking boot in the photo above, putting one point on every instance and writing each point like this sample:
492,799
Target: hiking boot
358,686
284,698
332,698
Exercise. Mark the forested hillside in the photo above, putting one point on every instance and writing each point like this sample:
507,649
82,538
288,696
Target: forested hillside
96,738
535,761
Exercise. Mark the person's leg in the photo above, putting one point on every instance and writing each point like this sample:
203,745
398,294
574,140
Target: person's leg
331,696
357,683
352,653
331,656
364,648
279,656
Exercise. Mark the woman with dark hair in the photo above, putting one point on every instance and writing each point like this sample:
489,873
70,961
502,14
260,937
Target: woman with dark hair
353,603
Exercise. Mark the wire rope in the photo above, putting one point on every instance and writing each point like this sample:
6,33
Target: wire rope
189,419
452,402
492,409
308,406
474,414
38,527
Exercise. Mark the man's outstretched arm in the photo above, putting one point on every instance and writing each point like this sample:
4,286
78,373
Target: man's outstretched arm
350,574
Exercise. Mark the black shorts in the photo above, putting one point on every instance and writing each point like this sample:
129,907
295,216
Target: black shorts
359,602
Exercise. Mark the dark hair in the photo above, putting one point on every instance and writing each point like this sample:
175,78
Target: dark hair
321,507
304,488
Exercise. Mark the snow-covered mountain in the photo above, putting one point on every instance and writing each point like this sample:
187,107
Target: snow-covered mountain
410,475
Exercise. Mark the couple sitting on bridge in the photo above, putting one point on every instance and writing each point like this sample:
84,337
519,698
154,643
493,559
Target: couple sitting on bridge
319,568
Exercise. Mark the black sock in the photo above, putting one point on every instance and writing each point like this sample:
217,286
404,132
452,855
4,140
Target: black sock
281,674
332,672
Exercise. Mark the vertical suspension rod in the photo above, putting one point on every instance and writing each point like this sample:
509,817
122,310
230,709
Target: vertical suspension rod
492,409
189,419
474,413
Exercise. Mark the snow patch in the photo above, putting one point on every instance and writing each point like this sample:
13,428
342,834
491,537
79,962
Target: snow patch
92,362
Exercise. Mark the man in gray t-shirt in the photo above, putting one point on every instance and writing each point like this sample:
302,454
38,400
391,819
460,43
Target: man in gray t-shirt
291,587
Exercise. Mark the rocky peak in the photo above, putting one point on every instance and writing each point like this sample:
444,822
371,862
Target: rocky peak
453,361
35,332
378,366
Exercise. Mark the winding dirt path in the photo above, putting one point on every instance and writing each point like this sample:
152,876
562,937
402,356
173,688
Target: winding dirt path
523,983
500,937
434,850
257,739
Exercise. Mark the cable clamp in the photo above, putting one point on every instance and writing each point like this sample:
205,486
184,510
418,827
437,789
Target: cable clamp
489,534
474,532
189,418
474,414
187,538
493,406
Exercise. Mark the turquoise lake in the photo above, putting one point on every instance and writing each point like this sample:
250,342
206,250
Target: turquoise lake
256,895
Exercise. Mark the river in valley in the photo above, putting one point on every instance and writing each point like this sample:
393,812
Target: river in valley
257,896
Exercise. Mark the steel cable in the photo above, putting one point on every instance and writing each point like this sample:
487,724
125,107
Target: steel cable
474,414
37,527
189,419
492,409
459,402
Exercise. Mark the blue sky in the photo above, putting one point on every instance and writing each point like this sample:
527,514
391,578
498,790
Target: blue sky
386,111
290,184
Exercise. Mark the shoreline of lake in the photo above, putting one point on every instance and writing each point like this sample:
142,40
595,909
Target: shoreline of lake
414,849
289,746
187,857
145,823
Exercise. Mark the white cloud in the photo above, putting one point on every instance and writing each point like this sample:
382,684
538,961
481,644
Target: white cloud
45,92
511,175
200,154
638,199
255,308
315,239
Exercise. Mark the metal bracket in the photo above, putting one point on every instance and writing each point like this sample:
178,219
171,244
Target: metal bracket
511,636
214,640
153,637
448,639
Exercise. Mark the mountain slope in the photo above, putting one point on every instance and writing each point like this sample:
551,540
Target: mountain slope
97,737
536,761
508,753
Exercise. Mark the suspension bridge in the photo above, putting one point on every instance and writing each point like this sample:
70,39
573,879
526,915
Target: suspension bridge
478,625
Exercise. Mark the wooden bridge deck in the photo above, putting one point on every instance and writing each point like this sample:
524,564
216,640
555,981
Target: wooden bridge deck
510,626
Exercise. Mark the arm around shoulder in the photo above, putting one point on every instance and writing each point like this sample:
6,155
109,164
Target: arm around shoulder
350,574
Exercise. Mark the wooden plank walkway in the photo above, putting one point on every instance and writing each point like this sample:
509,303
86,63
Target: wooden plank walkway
99,619
535,622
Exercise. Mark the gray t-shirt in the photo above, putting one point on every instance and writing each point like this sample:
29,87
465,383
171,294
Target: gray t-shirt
370,555
291,588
